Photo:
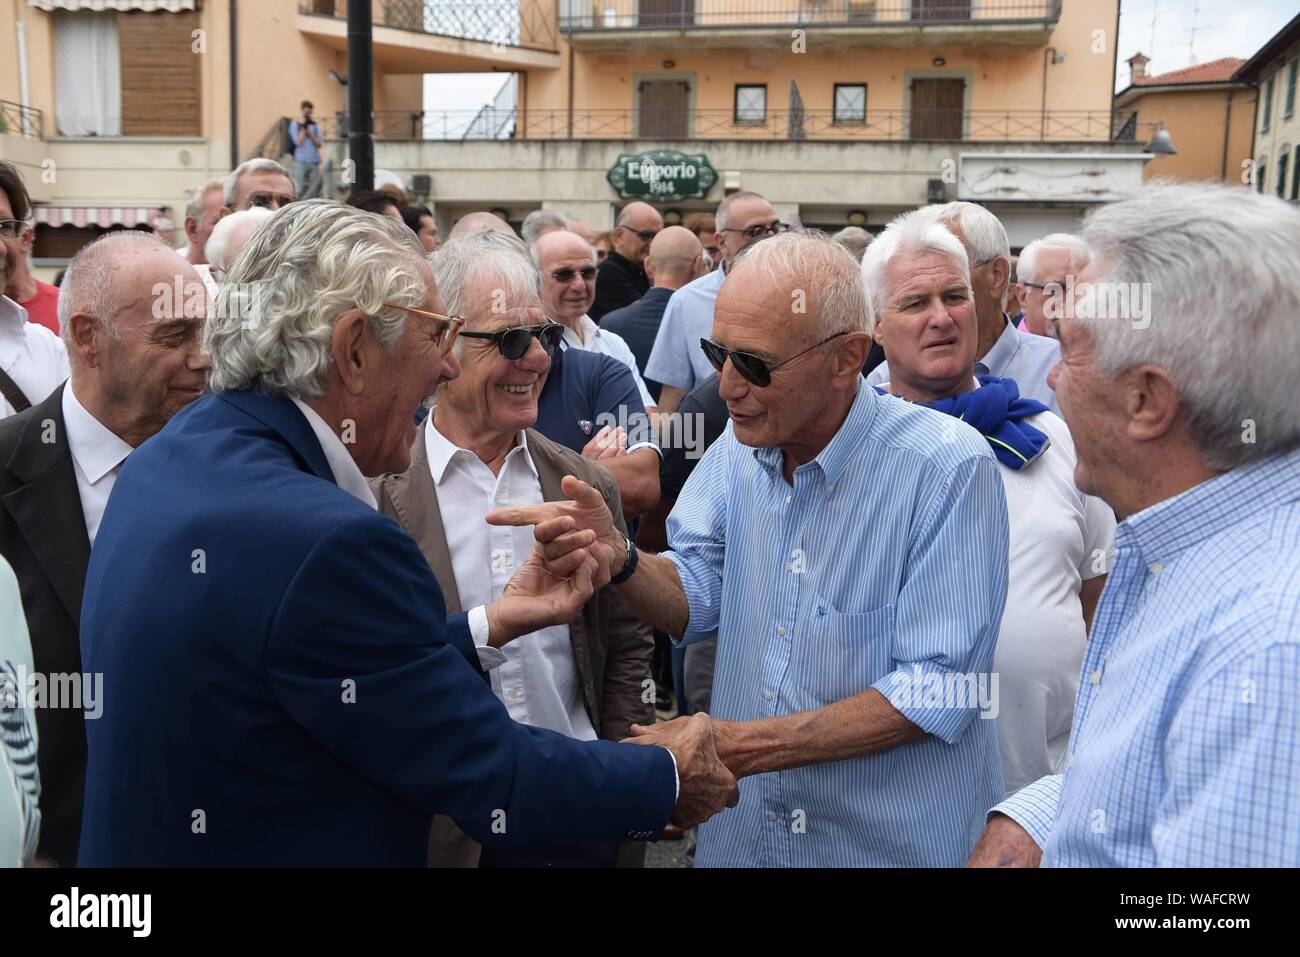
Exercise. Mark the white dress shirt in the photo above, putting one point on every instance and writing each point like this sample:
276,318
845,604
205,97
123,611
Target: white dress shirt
349,478
20,786
97,457
538,683
1059,538
32,356
592,338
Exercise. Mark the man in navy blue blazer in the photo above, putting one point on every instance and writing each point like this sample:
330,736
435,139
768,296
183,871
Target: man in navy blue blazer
281,685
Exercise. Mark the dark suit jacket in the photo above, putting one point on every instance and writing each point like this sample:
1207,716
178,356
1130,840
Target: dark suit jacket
638,324
282,685
612,646
43,536
619,282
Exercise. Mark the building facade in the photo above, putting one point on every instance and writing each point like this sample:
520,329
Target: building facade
840,111
1208,113
1276,152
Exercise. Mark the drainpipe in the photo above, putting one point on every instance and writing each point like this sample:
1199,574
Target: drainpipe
361,78
1042,119
570,91
1227,135
24,93
234,84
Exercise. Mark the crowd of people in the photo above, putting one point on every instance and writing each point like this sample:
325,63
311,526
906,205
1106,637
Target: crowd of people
359,546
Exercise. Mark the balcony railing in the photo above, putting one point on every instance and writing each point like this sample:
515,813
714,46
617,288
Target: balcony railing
998,126
584,15
529,24
20,120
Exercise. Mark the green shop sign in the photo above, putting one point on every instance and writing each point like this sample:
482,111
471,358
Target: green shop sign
662,176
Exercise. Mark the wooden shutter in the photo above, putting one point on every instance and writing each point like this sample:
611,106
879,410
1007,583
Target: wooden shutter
666,13
940,9
662,109
937,106
160,74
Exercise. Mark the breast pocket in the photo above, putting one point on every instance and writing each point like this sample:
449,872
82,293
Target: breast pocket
839,655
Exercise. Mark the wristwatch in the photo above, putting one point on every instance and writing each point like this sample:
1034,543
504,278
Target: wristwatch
629,567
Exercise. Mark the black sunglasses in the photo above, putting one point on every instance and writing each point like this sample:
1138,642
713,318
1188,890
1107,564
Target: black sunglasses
513,343
588,273
645,235
751,368
753,232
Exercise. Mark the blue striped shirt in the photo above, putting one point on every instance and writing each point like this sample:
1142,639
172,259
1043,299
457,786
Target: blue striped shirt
884,566
1185,749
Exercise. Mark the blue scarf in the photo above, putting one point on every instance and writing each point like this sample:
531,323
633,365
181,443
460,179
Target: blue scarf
996,410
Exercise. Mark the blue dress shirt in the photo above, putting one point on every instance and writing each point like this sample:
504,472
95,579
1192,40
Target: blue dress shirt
677,359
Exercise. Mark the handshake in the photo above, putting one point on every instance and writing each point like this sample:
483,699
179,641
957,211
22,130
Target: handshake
705,785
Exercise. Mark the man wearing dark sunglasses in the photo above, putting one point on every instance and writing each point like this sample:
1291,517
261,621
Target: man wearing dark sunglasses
621,279
480,448
844,544
676,360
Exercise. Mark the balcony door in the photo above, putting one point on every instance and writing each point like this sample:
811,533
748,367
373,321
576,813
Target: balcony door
666,13
940,9
937,105
663,109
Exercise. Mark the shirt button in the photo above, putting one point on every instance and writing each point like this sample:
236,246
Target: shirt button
767,696
1069,760
781,631
1156,568
787,500
514,692
772,815
1095,677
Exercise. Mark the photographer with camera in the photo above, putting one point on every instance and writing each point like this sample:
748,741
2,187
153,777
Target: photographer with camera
306,137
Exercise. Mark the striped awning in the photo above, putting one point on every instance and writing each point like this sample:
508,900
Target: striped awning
102,216
148,6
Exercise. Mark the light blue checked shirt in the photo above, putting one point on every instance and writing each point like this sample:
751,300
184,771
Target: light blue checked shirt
1185,750
886,560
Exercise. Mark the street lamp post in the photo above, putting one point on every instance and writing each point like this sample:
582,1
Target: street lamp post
361,72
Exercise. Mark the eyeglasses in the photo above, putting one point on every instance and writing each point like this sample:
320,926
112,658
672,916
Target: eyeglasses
12,228
645,235
270,200
753,232
514,343
565,275
448,327
751,368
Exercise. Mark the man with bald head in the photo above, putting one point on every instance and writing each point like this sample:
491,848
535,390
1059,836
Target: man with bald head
676,258
481,221
131,311
676,359
622,280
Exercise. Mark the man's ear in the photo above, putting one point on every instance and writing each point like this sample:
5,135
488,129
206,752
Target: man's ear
1001,276
87,338
649,271
347,346
26,239
191,229
1152,403
851,355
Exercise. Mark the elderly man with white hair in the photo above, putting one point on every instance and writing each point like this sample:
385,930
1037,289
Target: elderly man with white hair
479,448
1061,539
258,182
228,239
287,688
1042,273
1001,349
1185,750
850,550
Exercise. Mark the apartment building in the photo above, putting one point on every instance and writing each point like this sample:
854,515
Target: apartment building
1277,124
841,111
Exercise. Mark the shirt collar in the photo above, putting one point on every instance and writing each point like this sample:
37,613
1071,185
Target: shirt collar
12,315
844,445
587,332
346,474
1163,530
96,449
1004,350
441,451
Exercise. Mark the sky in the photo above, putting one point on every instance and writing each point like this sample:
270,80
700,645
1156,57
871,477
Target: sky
1170,32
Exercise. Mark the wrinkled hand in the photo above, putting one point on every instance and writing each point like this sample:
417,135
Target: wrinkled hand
726,739
561,528
1005,844
705,784
539,595
608,443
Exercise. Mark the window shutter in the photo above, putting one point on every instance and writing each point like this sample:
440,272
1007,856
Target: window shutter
160,74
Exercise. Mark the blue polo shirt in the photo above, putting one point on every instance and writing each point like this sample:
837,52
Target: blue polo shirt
585,391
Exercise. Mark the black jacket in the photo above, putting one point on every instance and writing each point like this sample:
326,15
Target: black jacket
43,536
619,282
